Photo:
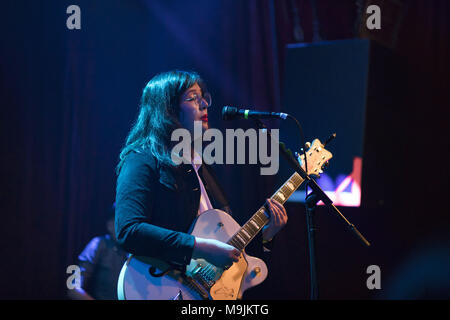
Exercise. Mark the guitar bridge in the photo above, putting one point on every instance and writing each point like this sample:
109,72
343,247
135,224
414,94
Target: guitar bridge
197,287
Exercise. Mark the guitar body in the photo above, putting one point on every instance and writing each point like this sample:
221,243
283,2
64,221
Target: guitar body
137,283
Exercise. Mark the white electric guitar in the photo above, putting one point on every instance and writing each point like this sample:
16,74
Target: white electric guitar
145,278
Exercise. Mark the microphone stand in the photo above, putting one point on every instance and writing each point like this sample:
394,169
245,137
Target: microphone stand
310,205
311,201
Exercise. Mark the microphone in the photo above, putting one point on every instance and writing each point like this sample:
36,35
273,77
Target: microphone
230,113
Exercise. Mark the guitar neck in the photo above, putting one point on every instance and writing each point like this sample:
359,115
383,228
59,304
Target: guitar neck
255,224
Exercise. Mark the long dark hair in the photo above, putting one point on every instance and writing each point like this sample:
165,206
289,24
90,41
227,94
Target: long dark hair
159,115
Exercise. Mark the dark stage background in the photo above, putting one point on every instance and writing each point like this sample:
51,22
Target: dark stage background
69,97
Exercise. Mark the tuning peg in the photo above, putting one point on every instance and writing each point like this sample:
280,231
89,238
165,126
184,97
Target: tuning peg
308,145
298,157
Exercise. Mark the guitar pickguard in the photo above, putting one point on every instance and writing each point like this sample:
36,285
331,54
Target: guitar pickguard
229,284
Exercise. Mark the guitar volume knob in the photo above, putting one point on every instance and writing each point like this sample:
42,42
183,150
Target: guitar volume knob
256,271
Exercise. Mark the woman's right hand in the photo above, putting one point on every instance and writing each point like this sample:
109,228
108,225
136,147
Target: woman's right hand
218,253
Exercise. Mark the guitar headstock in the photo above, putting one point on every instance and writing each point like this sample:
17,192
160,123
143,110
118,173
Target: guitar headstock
317,158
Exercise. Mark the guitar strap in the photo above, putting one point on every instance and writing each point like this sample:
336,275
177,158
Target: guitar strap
215,192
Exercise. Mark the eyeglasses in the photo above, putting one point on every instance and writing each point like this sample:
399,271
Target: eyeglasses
204,100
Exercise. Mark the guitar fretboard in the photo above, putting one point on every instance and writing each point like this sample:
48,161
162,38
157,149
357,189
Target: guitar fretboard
255,224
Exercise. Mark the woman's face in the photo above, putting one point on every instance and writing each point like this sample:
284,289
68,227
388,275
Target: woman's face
193,107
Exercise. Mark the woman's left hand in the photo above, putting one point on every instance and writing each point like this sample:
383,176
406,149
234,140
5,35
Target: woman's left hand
278,219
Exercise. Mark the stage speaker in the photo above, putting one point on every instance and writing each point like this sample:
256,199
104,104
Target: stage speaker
325,89
364,92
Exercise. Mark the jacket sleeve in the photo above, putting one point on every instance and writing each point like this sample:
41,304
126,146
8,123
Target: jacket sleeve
134,200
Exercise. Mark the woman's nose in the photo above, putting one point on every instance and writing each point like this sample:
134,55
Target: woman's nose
203,104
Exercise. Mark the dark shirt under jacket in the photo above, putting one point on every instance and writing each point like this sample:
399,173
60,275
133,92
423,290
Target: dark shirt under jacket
156,205
100,264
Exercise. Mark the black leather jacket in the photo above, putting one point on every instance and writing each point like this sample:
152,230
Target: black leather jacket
156,205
